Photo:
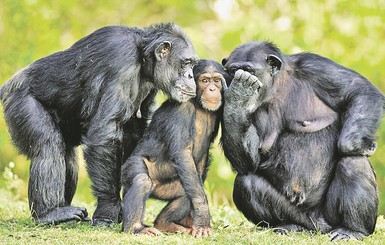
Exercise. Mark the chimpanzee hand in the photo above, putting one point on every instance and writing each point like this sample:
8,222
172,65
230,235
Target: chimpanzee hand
243,92
241,99
357,145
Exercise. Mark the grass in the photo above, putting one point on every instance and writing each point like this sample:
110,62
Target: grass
229,227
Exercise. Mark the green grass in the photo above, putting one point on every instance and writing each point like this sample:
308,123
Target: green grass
229,227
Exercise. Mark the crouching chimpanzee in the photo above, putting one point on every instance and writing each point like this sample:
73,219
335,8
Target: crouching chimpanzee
299,131
90,94
171,160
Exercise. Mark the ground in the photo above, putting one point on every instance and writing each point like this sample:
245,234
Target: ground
229,227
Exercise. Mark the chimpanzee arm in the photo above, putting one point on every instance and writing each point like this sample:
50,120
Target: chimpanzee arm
193,186
359,103
103,152
364,110
180,144
240,139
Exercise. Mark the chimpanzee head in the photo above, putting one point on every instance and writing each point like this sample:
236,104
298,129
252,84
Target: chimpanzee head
210,78
172,58
262,59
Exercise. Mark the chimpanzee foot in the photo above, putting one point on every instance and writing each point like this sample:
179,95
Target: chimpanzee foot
285,229
171,227
345,234
103,222
150,231
200,231
320,223
64,214
139,228
107,213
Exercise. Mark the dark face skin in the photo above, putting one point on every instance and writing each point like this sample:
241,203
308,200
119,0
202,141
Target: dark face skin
210,87
174,70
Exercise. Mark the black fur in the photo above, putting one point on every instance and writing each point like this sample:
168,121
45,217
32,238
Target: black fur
298,130
170,163
91,94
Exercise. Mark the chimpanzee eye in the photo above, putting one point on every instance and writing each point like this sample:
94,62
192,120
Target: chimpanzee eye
204,80
186,63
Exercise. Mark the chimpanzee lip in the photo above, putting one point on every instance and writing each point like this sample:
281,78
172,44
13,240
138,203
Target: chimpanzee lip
188,93
212,100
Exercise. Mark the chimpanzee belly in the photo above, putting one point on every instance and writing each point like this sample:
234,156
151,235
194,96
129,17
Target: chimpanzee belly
300,165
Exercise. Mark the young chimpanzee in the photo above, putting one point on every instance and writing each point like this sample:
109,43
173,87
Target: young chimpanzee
171,160
89,95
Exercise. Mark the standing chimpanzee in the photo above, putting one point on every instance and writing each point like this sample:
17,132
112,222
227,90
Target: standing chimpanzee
90,94
170,162
298,130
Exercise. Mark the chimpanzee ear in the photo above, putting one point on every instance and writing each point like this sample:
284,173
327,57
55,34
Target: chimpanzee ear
162,50
275,63
224,61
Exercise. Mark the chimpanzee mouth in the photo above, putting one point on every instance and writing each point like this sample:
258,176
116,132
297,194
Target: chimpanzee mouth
183,95
212,101
188,93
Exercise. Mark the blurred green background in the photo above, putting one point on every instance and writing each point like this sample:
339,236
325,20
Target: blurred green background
350,32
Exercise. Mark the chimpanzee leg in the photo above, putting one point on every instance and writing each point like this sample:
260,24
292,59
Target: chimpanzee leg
103,166
175,215
137,188
71,175
263,205
36,135
352,199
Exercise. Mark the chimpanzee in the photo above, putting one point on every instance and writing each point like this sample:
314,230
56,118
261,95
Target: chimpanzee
299,130
171,160
90,94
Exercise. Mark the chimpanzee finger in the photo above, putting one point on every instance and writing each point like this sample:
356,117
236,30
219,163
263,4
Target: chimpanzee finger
82,213
195,232
85,212
238,74
254,81
245,78
206,232
74,217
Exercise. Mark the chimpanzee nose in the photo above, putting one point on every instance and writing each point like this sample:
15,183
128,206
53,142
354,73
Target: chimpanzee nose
188,75
212,87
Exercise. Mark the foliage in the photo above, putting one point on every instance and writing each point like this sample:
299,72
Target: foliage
12,183
349,32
